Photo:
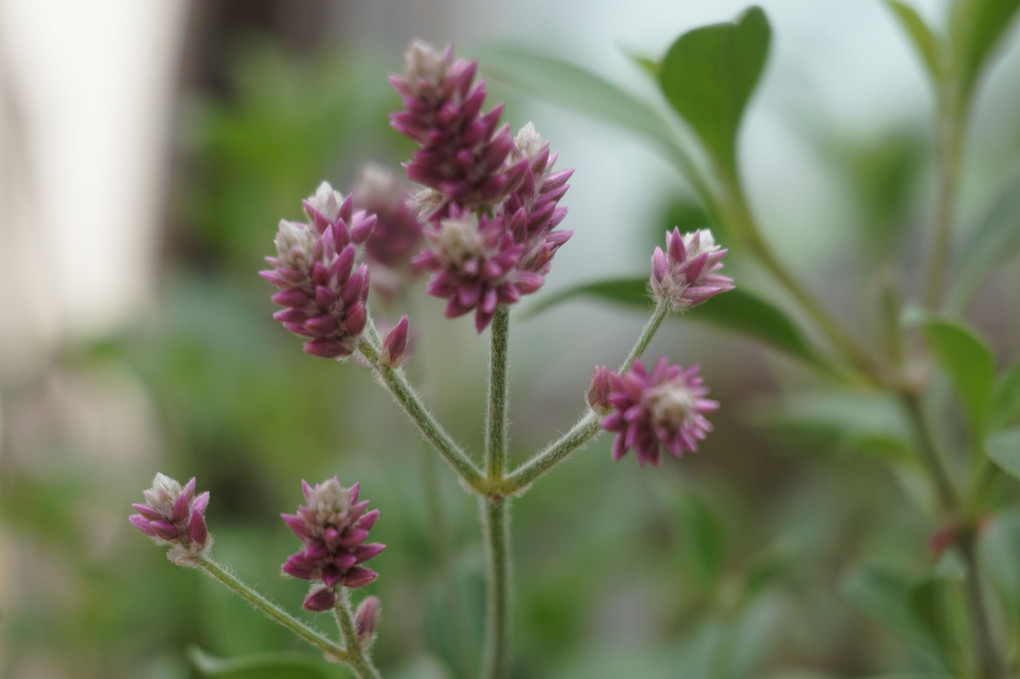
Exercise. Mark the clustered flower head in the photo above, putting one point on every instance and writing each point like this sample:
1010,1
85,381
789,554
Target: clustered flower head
686,273
174,515
462,152
665,407
490,199
333,526
321,282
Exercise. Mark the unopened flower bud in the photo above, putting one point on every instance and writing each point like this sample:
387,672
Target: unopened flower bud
366,619
174,515
395,345
599,389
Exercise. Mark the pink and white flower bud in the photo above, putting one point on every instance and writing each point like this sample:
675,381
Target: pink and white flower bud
332,526
686,273
316,268
395,345
174,515
665,407
366,620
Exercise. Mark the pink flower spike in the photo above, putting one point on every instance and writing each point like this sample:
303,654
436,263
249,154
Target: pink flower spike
332,527
173,516
686,273
665,407
321,281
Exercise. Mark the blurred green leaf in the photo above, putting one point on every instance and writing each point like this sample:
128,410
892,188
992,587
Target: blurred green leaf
736,310
705,538
577,89
920,35
994,242
882,592
847,420
709,74
455,620
281,665
1006,402
1004,450
975,29
1000,552
931,603
969,364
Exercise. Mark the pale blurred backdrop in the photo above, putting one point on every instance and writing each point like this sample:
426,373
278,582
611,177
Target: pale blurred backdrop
147,151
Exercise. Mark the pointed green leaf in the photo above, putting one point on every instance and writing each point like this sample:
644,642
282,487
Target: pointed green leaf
279,665
931,603
975,29
924,42
1004,450
576,88
969,364
737,310
709,74
1006,402
996,240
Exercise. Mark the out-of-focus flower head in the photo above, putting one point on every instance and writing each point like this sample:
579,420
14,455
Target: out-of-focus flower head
666,407
333,526
686,273
397,235
174,515
320,281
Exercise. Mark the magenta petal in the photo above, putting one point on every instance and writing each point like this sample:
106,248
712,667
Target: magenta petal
318,600
359,576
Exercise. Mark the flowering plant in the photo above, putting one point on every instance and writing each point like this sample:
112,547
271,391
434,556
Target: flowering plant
486,213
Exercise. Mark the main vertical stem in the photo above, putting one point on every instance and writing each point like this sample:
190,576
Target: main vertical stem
948,147
494,508
495,516
495,426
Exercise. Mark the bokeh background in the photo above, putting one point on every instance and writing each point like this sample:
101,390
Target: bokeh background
147,151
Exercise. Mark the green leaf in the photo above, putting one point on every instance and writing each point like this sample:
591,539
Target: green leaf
705,539
1004,450
1006,402
931,602
709,74
578,89
280,665
969,364
925,43
737,310
993,243
975,29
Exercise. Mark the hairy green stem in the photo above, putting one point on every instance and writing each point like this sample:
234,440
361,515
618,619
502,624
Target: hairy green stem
331,650
396,383
357,659
587,427
496,413
495,518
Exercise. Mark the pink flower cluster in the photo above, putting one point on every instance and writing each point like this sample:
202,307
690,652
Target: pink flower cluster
665,407
332,526
321,283
490,200
174,515
686,273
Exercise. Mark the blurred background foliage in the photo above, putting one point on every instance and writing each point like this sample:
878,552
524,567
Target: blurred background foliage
783,550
